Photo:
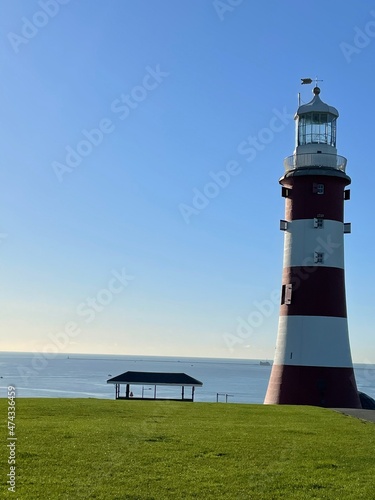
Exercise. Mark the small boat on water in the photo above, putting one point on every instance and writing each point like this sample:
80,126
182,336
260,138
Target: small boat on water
265,363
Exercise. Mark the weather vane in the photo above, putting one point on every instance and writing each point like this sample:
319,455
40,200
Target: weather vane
307,81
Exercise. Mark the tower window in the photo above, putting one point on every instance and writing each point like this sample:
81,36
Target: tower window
283,225
318,188
286,294
318,223
318,257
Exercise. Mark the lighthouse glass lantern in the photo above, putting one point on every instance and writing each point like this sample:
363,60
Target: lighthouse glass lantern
316,128
313,364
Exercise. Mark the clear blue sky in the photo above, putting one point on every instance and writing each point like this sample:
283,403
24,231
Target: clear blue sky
176,88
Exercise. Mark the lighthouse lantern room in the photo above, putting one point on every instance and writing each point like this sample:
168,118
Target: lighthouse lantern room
313,364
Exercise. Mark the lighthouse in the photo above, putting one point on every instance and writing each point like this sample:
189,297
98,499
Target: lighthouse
313,364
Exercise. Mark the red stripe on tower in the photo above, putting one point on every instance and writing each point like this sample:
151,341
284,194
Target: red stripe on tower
313,364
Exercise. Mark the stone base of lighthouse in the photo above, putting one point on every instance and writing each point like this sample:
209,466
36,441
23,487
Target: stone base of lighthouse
313,385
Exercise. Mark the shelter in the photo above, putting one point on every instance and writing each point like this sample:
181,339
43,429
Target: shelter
154,379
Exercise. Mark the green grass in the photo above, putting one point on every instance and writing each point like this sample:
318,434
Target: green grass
142,450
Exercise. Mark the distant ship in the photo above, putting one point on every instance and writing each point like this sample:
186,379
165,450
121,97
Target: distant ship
265,363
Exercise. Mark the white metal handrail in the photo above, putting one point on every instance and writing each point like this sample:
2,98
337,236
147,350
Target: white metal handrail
306,160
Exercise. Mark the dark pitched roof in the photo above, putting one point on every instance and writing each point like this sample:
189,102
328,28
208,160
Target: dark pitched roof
154,378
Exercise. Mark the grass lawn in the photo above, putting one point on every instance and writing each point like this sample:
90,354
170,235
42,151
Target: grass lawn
142,450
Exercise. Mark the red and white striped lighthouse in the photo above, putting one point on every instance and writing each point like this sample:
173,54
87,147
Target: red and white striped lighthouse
313,364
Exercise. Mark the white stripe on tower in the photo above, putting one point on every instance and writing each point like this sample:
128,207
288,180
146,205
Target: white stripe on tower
303,238
313,341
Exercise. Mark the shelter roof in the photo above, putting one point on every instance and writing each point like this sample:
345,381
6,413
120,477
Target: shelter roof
155,378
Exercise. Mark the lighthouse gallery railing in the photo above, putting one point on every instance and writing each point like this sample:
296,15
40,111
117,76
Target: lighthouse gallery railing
320,160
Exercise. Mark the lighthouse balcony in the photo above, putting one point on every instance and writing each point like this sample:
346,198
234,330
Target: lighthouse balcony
315,160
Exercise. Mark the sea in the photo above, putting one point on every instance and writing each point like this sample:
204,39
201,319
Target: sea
35,375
